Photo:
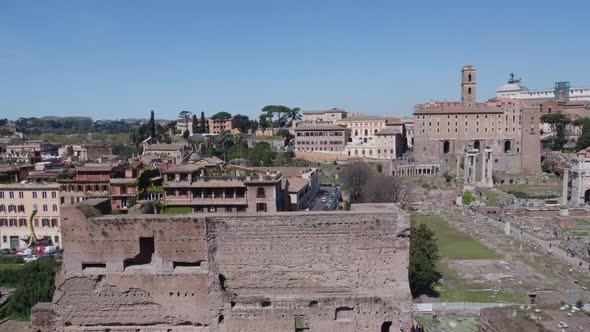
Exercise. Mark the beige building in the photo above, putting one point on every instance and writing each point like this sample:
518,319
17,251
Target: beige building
174,151
17,202
318,137
216,126
86,152
328,116
444,130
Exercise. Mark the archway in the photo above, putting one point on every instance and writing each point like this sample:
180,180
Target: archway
587,196
476,145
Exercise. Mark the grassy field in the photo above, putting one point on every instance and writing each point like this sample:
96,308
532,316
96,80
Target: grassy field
449,323
491,198
452,243
532,190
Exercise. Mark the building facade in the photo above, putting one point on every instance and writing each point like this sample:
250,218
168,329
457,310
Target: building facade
216,126
327,116
330,138
209,189
514,90
174,151
443,131
17,203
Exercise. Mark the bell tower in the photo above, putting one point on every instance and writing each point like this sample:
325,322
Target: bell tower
468,86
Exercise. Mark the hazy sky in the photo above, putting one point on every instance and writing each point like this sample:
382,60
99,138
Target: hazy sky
118,59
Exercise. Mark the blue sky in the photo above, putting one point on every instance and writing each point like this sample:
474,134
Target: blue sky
120,59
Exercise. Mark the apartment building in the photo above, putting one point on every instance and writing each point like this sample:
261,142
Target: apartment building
321,137
210,188
216,126
91,181
17,203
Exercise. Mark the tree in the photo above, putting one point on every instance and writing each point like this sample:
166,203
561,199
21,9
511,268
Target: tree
242,122
186,134
263,123
202,128
152,125
221,116
424,255
354,177
584,139
467,197
379,168
195,124
294,114
35,283
557,121
185,115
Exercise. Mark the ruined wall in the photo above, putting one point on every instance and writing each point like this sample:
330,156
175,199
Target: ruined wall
278,272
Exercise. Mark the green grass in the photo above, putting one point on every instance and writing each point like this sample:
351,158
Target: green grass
491,198
474,293
542,191
449,322
176,209
581,233
452,243
10,267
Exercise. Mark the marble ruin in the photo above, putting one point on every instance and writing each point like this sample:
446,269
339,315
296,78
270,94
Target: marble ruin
312,271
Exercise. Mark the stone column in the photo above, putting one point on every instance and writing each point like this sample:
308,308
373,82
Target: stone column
473,168
458,166
490,169
563,211
466,166
483,179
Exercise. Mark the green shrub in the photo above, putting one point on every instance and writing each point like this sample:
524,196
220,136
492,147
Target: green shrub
35,284
467,197
11,260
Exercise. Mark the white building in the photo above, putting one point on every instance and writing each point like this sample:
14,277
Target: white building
514,90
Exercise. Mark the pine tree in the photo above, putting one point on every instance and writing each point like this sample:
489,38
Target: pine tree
195,126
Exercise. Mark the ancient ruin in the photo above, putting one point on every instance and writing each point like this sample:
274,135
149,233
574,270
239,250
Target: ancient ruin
342,271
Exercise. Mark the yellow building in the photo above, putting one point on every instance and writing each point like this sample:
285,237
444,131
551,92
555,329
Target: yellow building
17,202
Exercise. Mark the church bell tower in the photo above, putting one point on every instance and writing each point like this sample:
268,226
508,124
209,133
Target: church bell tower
468,86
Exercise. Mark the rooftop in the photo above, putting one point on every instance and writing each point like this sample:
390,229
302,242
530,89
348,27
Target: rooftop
392,119
186,168
297,184
95,168
165,147
333,110
318,126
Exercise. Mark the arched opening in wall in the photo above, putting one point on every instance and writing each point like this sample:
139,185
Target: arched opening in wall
386,326
220,319
446,147
260,193
587,196
344,313
221,278
507,146
468,91
469,78
476,145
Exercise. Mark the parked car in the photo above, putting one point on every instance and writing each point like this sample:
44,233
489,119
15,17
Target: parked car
50,249
25,252
7,252
30,258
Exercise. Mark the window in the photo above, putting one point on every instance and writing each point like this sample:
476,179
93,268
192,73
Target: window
4,238
3,222
260,193
11,194
469,91
56,239
34,194
507,146
54,223
11,208
22,222
260,207
446,147
54,207
2,208
21,208
12,222
45,222
1,194
21,194
44,194
53,194
45,208
469,78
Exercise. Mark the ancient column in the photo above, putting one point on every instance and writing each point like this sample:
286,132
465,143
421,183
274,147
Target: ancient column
466,166
458,166
483,179
490,169
474,168
563,211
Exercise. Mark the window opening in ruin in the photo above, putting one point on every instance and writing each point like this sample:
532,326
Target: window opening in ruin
220,319
343,313
446,147
386,326
313,304
93,266
507,146
265,304
469,78
532,298
183,265
146,250
476,145
222,282
469,91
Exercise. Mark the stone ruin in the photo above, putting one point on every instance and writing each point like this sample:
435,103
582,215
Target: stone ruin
313,271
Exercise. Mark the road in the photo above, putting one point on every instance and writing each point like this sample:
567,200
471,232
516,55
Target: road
326,191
